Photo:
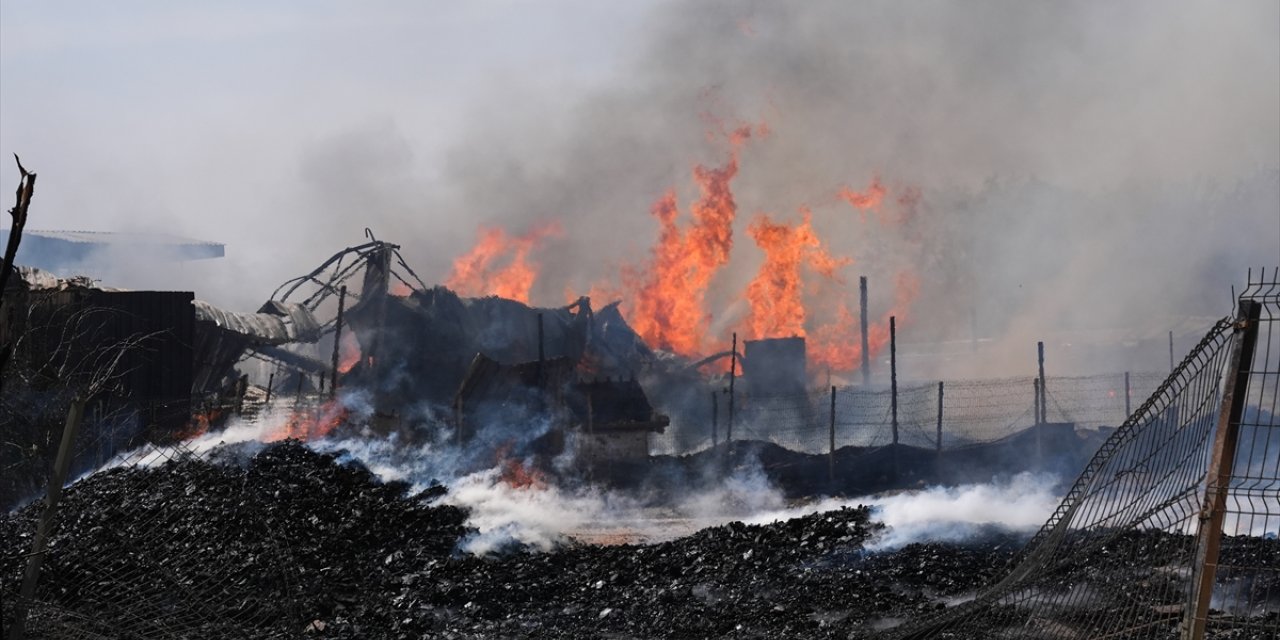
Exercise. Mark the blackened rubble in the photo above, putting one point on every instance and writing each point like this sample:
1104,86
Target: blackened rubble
289,540
293,538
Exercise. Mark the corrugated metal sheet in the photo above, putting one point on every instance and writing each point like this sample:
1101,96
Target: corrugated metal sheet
278,323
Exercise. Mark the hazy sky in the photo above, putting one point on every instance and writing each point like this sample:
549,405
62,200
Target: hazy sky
199,118
1074,159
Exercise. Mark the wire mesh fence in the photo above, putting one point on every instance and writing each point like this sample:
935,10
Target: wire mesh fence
972,412
1162,536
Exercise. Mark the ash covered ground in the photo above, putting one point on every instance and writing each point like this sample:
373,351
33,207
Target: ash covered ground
292,542
285,541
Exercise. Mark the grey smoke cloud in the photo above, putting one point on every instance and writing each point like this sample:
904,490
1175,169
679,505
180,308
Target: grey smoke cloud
1082,165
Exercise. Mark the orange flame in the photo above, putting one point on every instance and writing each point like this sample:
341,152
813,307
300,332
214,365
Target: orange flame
838,345
400,289
198,425
348,352
666,303
868,200
516,474
480,271
311,424
774,295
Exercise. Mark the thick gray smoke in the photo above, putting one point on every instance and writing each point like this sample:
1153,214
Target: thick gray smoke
1081,166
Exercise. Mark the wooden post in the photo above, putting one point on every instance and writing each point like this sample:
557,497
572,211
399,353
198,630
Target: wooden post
939,439
1044,398
1218,478
733,373
866,340
297,398
715,418
831,450
337,340
45,526
893,373
1127,410
242,387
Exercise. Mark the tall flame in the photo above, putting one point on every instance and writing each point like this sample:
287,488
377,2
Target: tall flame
665,297
666,305
774,295
499,264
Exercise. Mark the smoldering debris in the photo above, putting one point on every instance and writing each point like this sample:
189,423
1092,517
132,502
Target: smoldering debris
294,537
293,541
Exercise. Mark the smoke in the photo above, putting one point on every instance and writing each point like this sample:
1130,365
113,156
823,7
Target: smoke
1081,166
952,514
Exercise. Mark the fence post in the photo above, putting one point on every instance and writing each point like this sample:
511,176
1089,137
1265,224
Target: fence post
337,339
733,373
1171,351
270,382
892,371
1127,409
831,450
893,387
29,579
939,419
1035,391
1044,407
715,418
1044,398
1218,477
866,348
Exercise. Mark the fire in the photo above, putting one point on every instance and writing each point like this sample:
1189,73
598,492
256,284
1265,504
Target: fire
665,297
868,200
311,424
499,264
665,305
516,474
348,352
199,424
838,345
400,289
777,308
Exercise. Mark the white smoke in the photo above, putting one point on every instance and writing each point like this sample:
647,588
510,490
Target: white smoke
952,514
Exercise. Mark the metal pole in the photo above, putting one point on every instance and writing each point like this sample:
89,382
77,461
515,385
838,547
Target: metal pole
866,341
893,386
715,418
32,576
939,444
1218,478
1171,351
1044,398
733,373
337,339
831,450
893,373
1127,410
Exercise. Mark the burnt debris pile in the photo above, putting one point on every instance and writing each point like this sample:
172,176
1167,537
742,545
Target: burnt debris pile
291,541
